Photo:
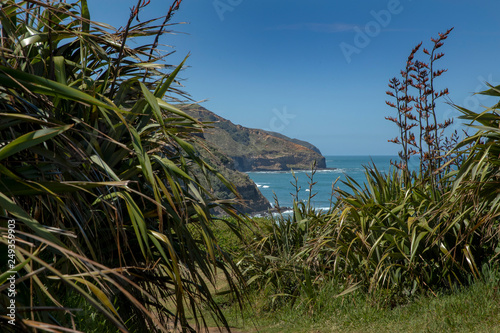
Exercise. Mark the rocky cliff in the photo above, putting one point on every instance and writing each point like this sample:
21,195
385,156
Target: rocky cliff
255,149
253,201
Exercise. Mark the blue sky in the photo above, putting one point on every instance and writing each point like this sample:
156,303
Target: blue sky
318,70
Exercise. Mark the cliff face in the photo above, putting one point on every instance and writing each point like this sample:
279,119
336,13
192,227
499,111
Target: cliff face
255,149
232,149
252,200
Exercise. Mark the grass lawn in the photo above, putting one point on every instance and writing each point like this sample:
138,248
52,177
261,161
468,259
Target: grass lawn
472,309
469,309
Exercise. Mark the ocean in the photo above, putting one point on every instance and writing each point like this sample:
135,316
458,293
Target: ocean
279,182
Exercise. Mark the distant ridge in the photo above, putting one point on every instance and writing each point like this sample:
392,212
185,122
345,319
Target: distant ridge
256,149
297,141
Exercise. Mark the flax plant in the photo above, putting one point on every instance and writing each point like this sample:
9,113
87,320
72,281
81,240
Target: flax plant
399,238
97,170
477,180
418,110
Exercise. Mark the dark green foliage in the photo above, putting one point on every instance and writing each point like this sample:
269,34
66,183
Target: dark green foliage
96,168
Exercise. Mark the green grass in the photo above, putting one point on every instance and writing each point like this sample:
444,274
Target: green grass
472,309
475,308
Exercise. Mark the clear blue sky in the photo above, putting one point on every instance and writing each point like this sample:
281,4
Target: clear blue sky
279,64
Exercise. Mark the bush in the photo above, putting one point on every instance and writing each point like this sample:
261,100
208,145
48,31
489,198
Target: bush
96,169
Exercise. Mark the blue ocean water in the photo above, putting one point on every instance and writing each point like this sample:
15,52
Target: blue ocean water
279,182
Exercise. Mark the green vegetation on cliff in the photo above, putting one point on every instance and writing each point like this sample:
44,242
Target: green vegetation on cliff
252,200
